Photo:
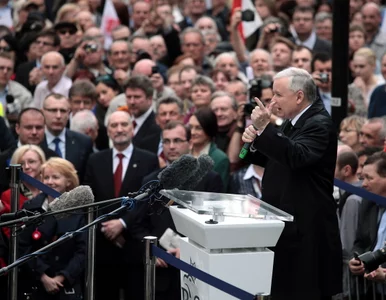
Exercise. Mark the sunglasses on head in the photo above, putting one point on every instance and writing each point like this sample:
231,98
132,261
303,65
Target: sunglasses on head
67,30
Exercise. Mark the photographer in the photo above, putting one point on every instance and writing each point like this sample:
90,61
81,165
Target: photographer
89,56
371,232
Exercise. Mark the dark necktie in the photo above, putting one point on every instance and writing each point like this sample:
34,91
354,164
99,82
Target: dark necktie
288,128
118,175
57,148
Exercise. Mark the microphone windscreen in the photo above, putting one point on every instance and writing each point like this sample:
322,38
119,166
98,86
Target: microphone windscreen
205,164
178,172
80,195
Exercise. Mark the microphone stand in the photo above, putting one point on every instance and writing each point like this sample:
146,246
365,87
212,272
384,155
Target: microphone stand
68,235
51,213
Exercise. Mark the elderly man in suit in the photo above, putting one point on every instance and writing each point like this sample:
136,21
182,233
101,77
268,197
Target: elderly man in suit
113,173
298,179
68,144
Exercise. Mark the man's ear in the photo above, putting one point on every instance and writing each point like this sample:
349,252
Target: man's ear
299,96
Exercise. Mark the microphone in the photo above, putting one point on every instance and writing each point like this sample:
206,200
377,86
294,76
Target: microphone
81,195
16,215
244,151
178,172
205,164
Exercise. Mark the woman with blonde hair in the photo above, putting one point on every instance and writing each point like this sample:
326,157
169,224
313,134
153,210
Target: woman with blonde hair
364,65
350,128
60,270
31,158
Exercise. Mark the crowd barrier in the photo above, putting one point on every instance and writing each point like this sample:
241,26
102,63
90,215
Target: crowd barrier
356,286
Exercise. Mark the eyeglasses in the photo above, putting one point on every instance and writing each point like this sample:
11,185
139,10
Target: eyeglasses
30,162
70,31
56,110
177,141
5,49
37,42
194,45
7,69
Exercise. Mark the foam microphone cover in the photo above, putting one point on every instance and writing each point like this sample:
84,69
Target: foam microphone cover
80,195
179,172
205,164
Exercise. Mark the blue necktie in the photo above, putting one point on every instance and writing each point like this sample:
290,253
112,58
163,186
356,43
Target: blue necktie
57,148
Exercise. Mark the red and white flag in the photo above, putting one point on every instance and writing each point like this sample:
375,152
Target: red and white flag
246,29
110,20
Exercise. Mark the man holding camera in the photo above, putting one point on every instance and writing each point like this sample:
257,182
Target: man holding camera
371,232
321,72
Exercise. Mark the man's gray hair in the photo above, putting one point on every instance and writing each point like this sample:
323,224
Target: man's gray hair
226,54
259,50
84,120
190,30
58,54
225,94
382,121
299,80
204,80
322,16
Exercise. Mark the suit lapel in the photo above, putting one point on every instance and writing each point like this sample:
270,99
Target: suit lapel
70,147
131,171
106,167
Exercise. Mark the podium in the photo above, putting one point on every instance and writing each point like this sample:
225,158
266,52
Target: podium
226,236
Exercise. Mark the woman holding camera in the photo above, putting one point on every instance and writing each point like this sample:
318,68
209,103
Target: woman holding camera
56,274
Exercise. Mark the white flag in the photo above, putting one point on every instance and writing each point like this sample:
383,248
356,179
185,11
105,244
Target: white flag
110,20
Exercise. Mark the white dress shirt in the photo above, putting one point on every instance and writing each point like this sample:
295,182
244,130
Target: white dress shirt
251,173
42,91
125,160
50,141
309,43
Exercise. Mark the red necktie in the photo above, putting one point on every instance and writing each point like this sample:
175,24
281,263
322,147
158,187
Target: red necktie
118,175
134,124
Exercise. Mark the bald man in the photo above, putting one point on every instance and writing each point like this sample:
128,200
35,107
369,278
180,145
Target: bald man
53,67
114,173
372,19
150,69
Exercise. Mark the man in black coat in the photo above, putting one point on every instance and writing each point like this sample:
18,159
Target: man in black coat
30,128
298,179
68,144
139,97
175,137
118,256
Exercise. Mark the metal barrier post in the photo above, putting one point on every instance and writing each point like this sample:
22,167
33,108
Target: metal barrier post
90,290
15,196
150,268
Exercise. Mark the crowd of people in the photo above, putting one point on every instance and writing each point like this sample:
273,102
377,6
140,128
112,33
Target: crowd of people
178,78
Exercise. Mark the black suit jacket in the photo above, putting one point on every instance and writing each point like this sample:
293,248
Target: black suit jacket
155,224
7,140
22,75
5,158
322,46
69,259
149,135
78,149
298,179
99,176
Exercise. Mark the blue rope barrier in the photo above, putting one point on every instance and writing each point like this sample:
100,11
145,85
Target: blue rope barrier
360,192
201,275
39,185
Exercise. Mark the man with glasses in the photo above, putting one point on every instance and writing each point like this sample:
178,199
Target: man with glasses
175,140
29,74
73,146
52,66
68,39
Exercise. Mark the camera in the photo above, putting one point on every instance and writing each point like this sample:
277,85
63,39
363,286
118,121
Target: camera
247,15
154,70
90,48
324,78
372,260
257,85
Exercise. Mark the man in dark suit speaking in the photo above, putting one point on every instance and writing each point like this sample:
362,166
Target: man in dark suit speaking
300,158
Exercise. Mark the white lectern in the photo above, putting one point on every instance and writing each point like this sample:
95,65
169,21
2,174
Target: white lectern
226,236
